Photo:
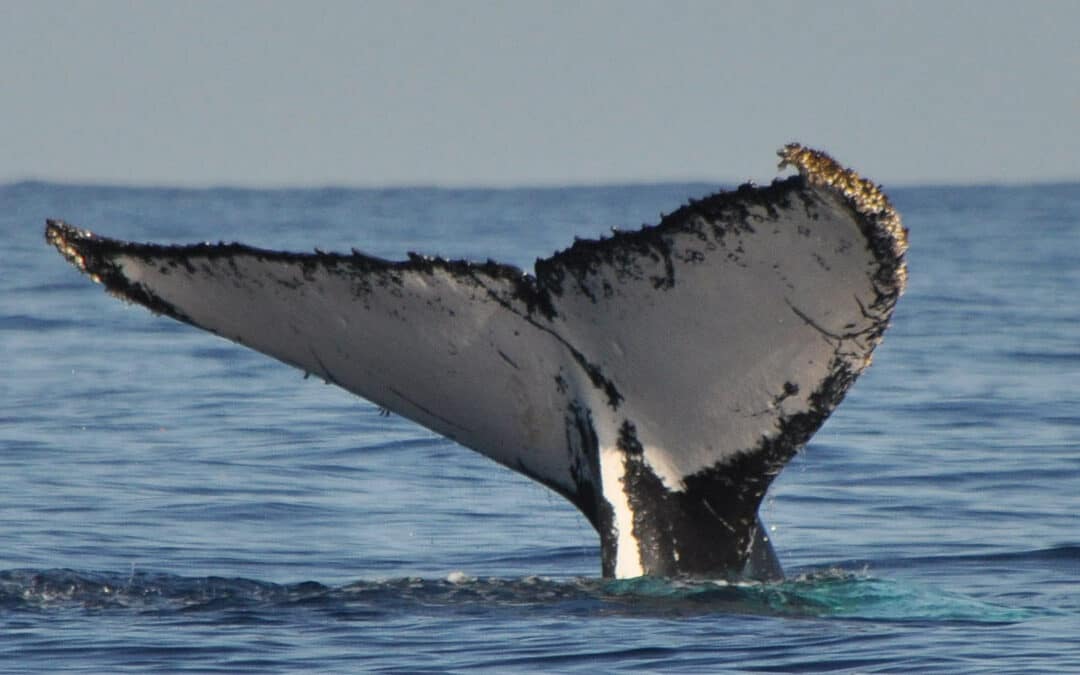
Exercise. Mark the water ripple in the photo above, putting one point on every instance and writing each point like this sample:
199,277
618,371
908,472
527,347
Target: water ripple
831,593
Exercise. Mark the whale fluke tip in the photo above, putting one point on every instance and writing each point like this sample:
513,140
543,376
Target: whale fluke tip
66,239
866,197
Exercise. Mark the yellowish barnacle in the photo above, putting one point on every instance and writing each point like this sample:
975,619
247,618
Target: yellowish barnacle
73,255
820,168
867,198
56,236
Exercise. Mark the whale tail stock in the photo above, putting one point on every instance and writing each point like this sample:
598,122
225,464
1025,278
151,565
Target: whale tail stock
659,379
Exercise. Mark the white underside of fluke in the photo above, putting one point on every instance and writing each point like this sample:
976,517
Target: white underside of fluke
627,556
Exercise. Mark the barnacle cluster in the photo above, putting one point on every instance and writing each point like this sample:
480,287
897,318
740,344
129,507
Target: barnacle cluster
866,197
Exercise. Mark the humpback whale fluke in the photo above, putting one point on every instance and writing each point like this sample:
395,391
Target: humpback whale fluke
659,379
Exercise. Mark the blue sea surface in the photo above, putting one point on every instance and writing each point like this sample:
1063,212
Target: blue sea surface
170,501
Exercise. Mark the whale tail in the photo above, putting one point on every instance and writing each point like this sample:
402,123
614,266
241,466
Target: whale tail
659,379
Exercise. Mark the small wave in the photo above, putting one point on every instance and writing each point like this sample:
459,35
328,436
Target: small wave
1067,552
834,593
141,590
1049,358
26,322
1067,555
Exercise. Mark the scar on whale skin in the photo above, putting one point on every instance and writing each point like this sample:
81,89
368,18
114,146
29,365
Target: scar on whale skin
659,379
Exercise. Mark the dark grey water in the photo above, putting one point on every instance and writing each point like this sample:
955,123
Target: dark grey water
172,502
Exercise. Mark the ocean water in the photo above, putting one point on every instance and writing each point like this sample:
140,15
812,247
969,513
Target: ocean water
172,502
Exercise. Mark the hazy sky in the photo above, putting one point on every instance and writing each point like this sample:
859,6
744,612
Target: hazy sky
497,93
